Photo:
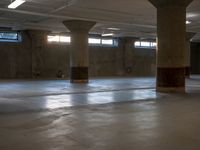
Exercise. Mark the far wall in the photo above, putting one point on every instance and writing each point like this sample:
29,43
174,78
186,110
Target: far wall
35,58
195,58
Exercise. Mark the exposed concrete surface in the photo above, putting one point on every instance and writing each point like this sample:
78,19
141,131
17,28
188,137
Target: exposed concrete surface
35,58
169,121
23,95
154,125
195,61
171,56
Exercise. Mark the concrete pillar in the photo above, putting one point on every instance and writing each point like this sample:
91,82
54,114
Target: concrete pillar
119,56
189,36
126,45
38,40
171,52
79,53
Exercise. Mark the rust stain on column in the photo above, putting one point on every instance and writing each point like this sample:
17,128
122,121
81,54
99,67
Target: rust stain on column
187,71
170,77
79,74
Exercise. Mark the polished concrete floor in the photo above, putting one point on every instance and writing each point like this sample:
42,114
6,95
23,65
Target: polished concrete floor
106,114
51,94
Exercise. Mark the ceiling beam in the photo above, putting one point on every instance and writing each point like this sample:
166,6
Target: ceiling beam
49,15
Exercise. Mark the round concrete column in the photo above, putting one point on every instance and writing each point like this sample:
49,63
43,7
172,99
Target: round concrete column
189,36
171,52
79,54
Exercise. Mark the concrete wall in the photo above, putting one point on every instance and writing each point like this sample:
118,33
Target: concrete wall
195,58
15,60
32,58
144,62
56,59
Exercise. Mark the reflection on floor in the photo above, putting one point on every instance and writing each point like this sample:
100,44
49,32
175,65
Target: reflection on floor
51,94
56,115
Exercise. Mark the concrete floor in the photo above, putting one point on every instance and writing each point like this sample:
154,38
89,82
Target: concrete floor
18,96
106,114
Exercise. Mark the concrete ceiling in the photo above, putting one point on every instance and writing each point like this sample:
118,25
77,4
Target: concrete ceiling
133,17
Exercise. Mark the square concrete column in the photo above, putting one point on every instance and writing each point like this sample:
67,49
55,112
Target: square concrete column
171,52
38,40
79,53
189,36
126,46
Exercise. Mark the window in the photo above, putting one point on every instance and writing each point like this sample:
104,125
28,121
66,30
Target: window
103,42
97,41
53,38
9,36
65,39
145,44
153,44
94,41
137,44
107,41
58,39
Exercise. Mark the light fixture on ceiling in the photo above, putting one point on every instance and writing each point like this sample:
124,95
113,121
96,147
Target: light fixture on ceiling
108,34
16,3
116,29
188,22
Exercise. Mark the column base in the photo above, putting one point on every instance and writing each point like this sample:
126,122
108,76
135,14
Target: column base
79,81
79,75
171,79
171,89
187,72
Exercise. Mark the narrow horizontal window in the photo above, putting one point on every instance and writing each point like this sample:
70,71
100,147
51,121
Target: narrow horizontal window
153,44
58,39
9,36
53,38
107,41
137,44
94,41
145,44
65,39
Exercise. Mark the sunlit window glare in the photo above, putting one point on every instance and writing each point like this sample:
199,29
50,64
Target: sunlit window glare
94,41
145,44
59,39
65,39
91,40
107,41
